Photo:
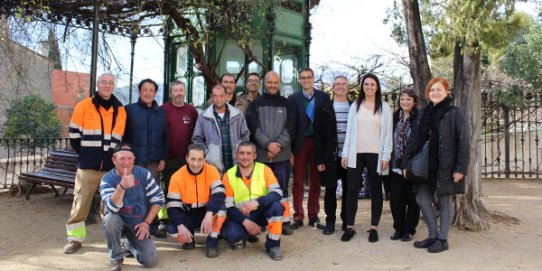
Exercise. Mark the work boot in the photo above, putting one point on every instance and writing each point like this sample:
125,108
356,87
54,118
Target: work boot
253,239
274,253
115,265
72,247
212,252
286,230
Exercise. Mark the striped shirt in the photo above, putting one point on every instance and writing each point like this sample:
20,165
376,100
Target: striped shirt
134,207
341,114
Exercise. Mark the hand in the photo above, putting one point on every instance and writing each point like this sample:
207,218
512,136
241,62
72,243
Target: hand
344,162
206,223
127,180
292,160
385,165
249,207
274,147
404,173
161,166
321,168
184,234
458,177
270,156
251,227
142,230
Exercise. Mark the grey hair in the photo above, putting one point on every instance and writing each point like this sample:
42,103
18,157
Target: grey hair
105,74
176,82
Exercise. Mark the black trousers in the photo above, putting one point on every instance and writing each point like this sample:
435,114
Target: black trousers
363,160
330,197
404,208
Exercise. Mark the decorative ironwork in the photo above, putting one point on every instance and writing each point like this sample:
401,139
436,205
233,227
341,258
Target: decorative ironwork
511,136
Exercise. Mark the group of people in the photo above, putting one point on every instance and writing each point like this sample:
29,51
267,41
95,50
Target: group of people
226,170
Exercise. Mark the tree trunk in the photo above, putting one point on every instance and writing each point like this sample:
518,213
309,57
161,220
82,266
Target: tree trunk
419,65
470,213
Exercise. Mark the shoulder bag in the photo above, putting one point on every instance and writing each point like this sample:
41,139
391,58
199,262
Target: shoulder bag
418,172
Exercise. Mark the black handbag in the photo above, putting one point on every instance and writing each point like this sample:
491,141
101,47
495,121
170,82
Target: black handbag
418,172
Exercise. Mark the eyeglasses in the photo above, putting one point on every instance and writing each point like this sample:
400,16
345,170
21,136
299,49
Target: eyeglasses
111,83
253,82
341,84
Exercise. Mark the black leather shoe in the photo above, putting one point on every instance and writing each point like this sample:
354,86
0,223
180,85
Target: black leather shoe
296,224
253,239
315,223
406,237
373,235
424,243
438,246
396,236
348,234
189,246
329,229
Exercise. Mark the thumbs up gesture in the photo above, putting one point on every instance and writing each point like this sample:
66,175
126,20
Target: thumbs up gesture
127,179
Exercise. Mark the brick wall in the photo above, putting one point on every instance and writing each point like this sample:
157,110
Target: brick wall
67,89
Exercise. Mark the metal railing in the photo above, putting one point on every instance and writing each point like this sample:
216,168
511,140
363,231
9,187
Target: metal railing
25,155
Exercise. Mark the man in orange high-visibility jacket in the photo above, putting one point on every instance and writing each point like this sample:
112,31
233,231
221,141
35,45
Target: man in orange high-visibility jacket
253,201
96,127
196,199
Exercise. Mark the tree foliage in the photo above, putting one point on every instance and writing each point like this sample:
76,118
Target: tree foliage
32,117
523,58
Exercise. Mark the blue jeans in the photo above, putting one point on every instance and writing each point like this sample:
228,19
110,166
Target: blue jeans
234,232
143,250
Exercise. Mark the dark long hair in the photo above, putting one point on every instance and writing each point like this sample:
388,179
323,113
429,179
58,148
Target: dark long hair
378,94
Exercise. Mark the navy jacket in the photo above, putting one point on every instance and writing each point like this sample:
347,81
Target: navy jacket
146,130
296,105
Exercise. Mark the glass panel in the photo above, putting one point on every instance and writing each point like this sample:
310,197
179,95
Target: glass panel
182,61
198,91
286,90
287,71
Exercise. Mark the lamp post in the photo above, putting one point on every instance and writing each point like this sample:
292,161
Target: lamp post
94,53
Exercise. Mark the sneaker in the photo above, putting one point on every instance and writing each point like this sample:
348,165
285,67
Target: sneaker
189,246
438,246
373,235
315,223
115,265
406,237
348,234
274,253
212,252
329,229
253,239
396,236
128,254
239,245
159,231
296,224
72,247
286,230
424,243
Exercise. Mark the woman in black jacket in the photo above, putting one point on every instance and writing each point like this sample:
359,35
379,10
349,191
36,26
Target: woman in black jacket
404,209
444,126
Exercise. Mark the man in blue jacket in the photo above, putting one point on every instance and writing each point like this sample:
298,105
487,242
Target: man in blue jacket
146,131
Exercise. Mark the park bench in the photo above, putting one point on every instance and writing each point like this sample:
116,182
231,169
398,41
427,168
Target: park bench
59,170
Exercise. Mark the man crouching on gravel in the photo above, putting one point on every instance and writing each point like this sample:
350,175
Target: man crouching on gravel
131,199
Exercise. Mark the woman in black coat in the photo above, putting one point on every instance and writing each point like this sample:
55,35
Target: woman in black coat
404,209
444,126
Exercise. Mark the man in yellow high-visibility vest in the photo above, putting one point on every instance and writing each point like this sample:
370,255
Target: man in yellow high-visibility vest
253,201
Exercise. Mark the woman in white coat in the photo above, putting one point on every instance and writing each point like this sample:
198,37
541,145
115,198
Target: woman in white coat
368,143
